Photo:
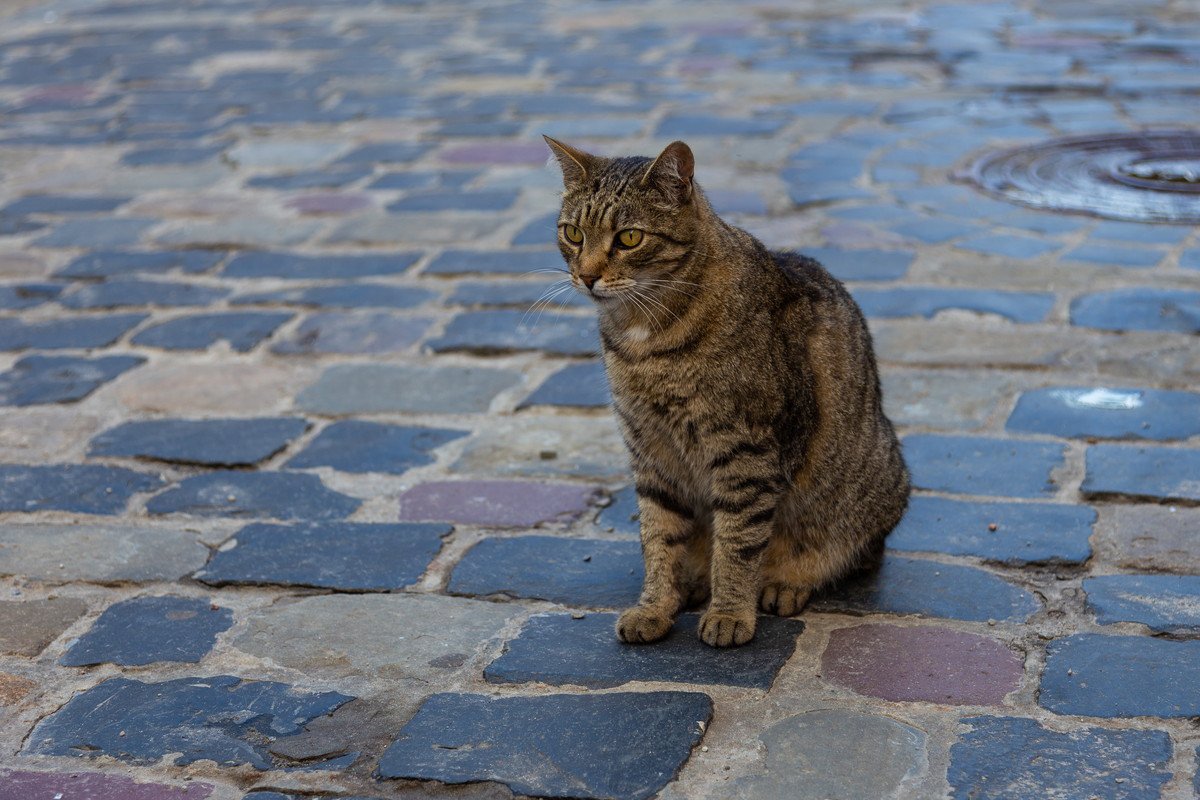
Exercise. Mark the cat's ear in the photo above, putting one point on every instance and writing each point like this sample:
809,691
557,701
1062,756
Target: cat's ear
672,172
576,164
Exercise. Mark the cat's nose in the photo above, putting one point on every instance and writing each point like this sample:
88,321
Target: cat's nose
589,280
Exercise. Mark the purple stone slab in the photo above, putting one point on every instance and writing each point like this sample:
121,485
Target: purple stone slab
24,785
499,503
930,664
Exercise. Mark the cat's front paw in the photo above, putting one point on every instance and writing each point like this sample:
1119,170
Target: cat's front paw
719,629
784,600
641,624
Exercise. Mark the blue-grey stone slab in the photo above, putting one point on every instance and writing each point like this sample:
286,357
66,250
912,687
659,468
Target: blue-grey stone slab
625,745
329,178
977,465
277,495
360,446
1169,310
15,226
1162,473
1010,245
1107,253
417,179
243,330
621,515
353,332
518,262
341,295
389,388
577,385
912,301
99,232
1190,259
1093,675
27,295
1140,232
863,265
294,265
927,588
1161,602
60,379
110,263
148,629
1012,533
504,331
1005,758
936,231
589,573
223,719
708,125
543,231
84,488
1103,413
72,332
559,649
161,156
346,556
114,294
62,204
493,200
519,294
215,442
384,153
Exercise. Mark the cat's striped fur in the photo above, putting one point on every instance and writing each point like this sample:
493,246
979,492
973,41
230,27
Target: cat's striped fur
746,389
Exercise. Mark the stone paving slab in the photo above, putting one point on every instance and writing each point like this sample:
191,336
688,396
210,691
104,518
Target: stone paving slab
145,630
225,443
550,745
223,718
37,380
569,649
31,785
28,626
103,553
348,556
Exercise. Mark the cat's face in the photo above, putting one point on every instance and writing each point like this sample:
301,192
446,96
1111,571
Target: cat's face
627,224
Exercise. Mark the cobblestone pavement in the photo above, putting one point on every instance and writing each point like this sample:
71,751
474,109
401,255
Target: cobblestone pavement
299,499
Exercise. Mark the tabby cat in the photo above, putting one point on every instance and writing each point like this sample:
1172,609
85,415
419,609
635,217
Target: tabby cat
746,390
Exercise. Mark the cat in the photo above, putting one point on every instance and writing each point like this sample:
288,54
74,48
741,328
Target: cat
745,386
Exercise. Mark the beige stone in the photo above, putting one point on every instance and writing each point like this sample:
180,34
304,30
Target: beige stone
27,626
207,388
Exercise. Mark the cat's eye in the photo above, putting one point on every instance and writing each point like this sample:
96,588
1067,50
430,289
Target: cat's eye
631,237
573,234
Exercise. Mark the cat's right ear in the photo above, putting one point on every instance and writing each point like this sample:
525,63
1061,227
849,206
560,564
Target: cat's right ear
576,164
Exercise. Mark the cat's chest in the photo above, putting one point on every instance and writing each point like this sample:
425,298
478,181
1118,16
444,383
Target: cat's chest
661,402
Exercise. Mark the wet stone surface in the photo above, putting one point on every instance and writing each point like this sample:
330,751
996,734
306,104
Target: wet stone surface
222,718
349,556
216,442
558,649
456,738
586,573
148,629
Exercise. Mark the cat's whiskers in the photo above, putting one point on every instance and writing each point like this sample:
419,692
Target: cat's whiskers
650,299
552,291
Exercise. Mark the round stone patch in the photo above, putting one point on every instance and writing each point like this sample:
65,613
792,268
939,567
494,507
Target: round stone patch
1147,176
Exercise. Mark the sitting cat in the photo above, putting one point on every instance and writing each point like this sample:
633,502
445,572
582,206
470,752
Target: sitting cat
745,386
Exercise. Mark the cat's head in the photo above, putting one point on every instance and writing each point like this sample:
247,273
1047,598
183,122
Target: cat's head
627,225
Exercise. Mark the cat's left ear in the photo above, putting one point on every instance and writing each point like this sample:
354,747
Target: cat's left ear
576,164
672,172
